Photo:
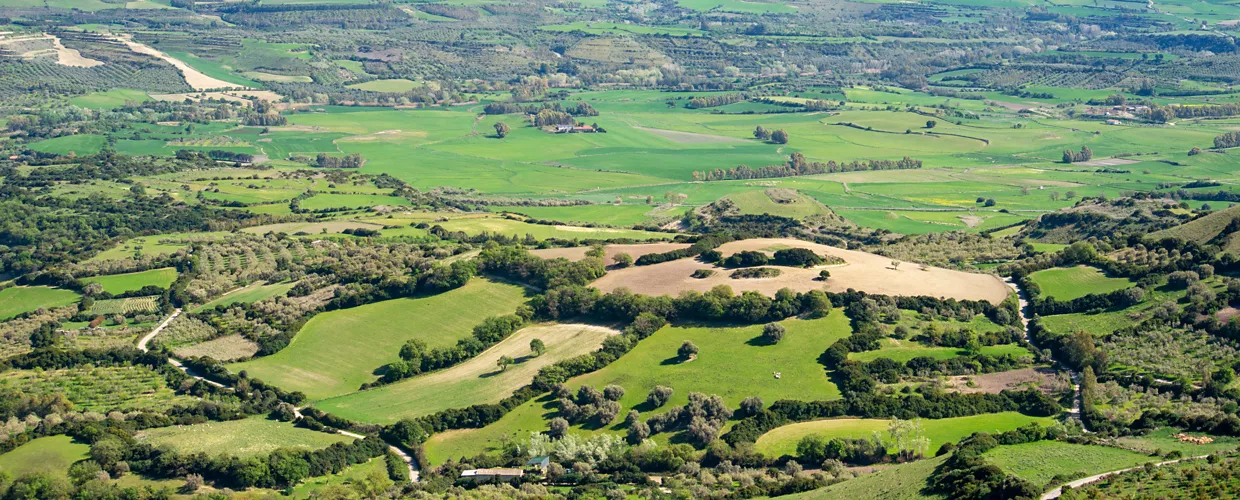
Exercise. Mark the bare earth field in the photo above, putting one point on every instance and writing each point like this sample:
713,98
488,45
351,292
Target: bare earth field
193,77
994,383
862,271
690,137
610,251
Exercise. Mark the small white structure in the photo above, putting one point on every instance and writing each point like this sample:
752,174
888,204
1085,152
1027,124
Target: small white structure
492,475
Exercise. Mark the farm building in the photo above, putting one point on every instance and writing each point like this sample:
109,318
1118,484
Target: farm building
492,475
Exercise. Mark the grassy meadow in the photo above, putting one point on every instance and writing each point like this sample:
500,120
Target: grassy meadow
904,481
783,440
121,283
476,381
22,299
1040,461
336,352
244,438
52,454
250,294
1073,282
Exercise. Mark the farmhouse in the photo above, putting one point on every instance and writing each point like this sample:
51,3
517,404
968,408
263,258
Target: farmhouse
489,475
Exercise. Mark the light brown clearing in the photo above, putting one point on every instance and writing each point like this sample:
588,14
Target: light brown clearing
610,251
690,137
1225,314
993,383
862,271
1106,162
241,96
193,77
222,349
64,56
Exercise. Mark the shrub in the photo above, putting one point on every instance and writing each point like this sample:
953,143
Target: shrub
659,396
687,350
773,332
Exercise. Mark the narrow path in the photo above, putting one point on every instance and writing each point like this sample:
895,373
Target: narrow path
1025,313
1055,493
142,342
414,475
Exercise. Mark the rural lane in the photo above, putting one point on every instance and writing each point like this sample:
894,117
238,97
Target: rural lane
414,475
1055,493
1024,308
142,342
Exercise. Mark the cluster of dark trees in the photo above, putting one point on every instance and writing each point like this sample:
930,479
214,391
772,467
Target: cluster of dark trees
353,160
703,244
579,108
713,101
1085,154
718,304
1228,140
518,264
1163,114
798,165
779,136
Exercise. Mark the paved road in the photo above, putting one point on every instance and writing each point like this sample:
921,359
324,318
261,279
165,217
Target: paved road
1055,493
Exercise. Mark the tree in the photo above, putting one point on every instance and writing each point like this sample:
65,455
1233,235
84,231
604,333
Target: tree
761,133
623,260
687,350
931,123
751,405
557,428
613,392
895,264
773,332
537,347
990,202
779,137
659,396
824,275
503,362
501,129
1069,195
817,303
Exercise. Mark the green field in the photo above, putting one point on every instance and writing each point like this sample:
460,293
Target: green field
21,299
733,362
353,473
508,227
394,85
351,201
248,295
783,440
904,481
1040,461
904,350
1073,282
244,438
53,454
336,352
111,99
121,283
475,381
160,244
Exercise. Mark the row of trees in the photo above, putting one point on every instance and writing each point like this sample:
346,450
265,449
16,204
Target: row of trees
798,165
1085,154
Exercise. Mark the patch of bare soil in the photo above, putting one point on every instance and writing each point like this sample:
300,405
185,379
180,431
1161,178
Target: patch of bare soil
196,79
1225,314
1106,162
610,251
993,383
690,137
971,220
862,271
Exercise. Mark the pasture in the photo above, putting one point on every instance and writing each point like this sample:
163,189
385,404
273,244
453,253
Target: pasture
1073,282
1041,461
244,438
733,362
121,283
336,352
22,299
902,351
52,454
862,271
224,349
159,244
475,381
498,225
252,293
783,440
903,481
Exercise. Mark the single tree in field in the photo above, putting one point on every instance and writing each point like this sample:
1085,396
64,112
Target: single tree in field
1054,195
687,350
931,123
503,362
501,129
824,274
659,396
537,347
761,133
895,264
779,137
1070,195
623,260
773,332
